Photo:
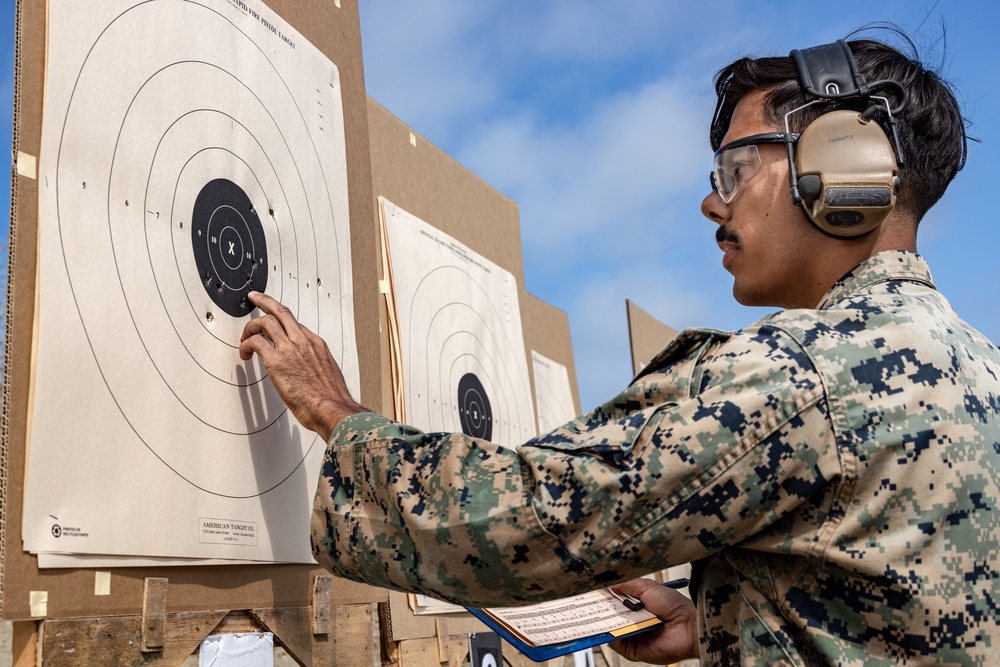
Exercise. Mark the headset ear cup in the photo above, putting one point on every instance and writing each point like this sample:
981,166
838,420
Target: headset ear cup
847,173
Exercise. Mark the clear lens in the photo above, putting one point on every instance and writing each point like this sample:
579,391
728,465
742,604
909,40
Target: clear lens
733,168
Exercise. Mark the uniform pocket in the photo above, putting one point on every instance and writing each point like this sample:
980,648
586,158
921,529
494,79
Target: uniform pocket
610,439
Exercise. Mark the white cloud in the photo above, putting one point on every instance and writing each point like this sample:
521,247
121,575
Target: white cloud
617,167
421,65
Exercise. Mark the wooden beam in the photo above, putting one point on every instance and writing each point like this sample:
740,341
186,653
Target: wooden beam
441,629
351,631
237,623
24,644
117,640
350,641
320,603
154,613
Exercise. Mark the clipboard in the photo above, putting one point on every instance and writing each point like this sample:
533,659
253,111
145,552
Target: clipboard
549,651
539,652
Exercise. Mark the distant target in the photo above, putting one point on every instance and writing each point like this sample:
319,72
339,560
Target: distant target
465,366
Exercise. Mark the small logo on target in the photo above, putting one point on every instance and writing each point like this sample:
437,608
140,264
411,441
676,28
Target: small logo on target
56,530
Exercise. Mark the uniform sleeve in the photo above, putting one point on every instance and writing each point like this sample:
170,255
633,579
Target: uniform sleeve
709,448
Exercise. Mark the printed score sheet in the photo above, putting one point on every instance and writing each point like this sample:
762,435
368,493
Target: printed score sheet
572,618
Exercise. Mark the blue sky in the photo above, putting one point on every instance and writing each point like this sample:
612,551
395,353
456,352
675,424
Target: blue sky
593,117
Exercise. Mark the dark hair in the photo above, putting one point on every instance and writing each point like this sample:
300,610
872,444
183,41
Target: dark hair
931,128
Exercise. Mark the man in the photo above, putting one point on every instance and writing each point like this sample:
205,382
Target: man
832,470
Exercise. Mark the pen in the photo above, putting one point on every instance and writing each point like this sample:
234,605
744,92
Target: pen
635,604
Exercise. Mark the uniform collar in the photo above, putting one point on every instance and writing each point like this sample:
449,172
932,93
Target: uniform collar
882,267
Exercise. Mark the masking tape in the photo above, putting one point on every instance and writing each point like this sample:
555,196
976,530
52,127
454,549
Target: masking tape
383,287
102,583
27,165
38,601
413,139
337,2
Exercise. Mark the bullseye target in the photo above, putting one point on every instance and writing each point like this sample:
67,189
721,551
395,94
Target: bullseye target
463,354
189,167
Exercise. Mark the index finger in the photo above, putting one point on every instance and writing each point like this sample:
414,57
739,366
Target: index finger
276,309
266,303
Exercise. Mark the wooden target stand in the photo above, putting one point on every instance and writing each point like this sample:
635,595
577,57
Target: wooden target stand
319,634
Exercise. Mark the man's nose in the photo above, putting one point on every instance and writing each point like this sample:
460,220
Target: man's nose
713,208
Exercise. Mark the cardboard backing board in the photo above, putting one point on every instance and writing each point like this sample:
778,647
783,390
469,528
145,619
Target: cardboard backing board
418,177
333,28
646,334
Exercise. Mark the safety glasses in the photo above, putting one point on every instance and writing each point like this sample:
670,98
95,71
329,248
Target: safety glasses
739,161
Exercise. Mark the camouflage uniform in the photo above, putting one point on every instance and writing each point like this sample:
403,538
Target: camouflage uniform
832,473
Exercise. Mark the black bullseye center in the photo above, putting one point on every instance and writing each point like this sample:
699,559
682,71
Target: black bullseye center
474,410
229,247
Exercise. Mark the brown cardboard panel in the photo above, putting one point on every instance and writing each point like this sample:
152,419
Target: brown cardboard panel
647,335
547,331
335,31
420,178
423,180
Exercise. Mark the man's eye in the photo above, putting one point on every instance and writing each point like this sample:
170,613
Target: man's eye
738,173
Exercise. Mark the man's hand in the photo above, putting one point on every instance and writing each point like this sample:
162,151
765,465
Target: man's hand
300,366
675,640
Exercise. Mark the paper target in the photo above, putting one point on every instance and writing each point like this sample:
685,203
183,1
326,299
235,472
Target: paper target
464,361
193,151
553,395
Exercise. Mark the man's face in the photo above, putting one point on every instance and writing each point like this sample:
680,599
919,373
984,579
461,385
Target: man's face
771,248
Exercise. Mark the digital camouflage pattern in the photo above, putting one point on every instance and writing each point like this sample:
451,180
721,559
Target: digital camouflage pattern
833,473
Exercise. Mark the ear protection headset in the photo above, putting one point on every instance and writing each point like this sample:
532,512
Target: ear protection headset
844,171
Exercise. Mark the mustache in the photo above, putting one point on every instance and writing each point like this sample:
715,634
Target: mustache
722,234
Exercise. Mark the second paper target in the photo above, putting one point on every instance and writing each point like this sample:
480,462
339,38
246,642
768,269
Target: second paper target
198,157
462,344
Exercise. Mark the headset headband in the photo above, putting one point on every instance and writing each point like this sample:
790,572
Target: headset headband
829,72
